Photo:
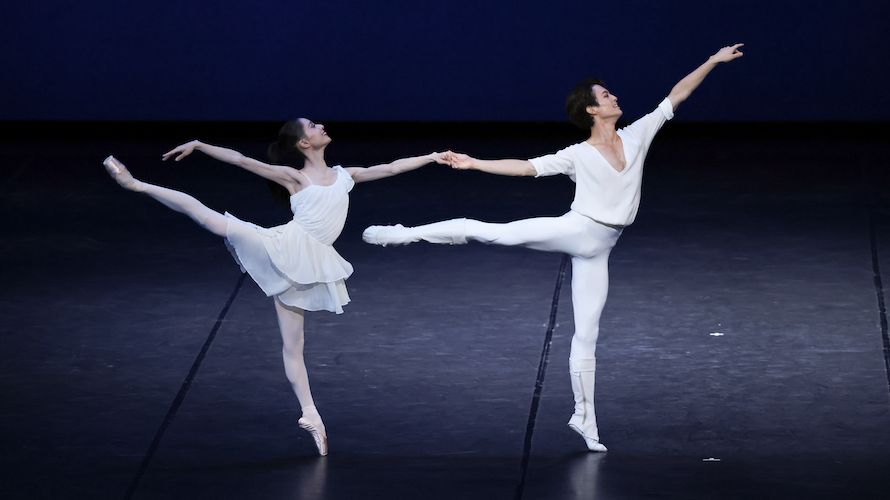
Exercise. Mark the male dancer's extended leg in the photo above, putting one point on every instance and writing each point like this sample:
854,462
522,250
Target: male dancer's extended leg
566,234
290,321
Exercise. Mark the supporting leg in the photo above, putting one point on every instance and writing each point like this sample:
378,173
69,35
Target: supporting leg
590,285
290,321
210,220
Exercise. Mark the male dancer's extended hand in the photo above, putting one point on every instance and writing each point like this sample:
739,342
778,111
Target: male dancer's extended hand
458,161
727,53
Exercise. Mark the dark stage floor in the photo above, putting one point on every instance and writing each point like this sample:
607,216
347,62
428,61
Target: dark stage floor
426,383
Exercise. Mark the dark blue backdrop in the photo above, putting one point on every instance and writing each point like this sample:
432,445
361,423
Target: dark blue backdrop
435,61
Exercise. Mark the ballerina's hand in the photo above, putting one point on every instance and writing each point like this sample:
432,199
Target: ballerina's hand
441,158
181,151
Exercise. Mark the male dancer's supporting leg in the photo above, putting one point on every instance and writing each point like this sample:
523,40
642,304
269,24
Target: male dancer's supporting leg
590,285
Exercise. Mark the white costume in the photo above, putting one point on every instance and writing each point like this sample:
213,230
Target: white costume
296,261
606,201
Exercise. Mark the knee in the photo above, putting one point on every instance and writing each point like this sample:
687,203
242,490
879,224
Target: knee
293,348
481,231
586,336
583,347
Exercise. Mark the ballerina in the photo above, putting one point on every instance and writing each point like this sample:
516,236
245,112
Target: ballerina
294,263
608,169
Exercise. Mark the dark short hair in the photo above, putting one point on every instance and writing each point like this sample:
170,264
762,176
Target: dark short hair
579,98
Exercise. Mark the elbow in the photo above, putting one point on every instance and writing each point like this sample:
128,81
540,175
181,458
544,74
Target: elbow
678,98
530,170
239,160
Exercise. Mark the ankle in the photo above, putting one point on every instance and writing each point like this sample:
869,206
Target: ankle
311,413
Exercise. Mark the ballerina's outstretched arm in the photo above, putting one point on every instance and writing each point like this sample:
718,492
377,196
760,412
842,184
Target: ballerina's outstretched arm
366,174
292,179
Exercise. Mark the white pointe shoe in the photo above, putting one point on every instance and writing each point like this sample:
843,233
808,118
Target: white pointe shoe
119,172
593,444
318,434
386,235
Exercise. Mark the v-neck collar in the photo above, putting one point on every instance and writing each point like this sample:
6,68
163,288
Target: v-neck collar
612,167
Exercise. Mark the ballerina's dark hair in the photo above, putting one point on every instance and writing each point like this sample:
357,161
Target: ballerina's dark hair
579,98
284,151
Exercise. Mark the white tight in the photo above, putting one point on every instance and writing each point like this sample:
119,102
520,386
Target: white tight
207,218
588,242
290,321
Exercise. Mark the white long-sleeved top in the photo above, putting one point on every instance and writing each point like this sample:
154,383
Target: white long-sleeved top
601,192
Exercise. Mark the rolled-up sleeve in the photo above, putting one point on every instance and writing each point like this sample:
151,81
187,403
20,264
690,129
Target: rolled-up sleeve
560,162
645,128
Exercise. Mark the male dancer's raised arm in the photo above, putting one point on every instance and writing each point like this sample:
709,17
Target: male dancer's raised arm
681,91
690,82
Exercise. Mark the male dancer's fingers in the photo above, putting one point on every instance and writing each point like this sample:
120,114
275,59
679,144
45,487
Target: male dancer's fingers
464,162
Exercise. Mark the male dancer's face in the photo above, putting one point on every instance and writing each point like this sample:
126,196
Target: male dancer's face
608,103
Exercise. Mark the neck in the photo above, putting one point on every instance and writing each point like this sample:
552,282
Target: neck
603,131
315,160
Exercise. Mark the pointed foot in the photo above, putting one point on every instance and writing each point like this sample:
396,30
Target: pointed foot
119,172
385,235
592,442
316,428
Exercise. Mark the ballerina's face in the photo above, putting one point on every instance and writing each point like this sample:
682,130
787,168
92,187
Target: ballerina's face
314,134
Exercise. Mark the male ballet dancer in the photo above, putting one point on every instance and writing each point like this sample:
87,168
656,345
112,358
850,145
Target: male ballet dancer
607,169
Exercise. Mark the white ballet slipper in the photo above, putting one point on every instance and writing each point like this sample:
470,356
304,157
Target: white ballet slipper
593,443
318,434
449,232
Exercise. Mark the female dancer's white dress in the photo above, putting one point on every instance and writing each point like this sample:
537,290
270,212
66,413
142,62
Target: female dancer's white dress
296,261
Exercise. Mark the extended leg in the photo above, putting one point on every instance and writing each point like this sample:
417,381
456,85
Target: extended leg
290,321
450,232
210,220
590,284
569,233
